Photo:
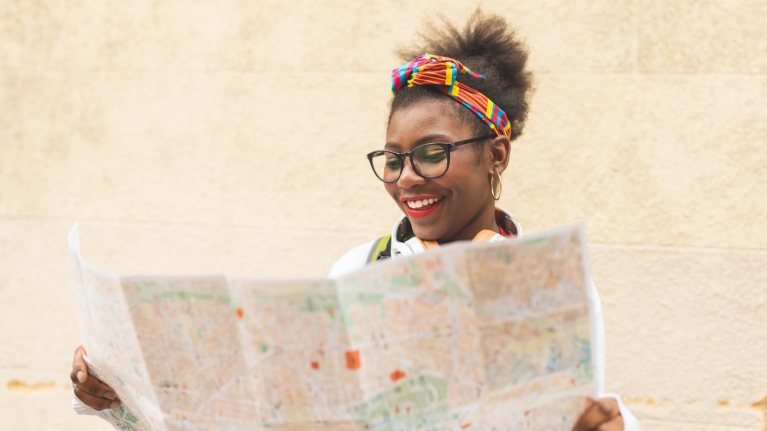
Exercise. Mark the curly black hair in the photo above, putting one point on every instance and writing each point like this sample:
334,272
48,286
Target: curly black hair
486,45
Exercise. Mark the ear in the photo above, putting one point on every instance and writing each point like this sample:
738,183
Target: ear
499,149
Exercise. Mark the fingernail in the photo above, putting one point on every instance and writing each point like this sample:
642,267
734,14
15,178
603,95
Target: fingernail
109,395
80,376
115,403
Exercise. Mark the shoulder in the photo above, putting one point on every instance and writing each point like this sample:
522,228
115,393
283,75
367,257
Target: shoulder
352,260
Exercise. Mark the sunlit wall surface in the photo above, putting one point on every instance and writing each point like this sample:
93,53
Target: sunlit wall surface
211,136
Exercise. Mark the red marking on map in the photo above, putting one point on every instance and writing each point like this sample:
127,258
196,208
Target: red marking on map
464,426
353,359
397,375
315,365
239,312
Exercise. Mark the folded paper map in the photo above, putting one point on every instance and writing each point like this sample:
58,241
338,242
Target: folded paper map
493,336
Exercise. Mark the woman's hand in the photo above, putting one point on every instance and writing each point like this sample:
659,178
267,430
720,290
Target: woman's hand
600,415
90,390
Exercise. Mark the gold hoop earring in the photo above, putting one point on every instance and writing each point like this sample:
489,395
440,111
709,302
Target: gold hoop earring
496,194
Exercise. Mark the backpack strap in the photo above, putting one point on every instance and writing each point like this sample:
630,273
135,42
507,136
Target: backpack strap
381,249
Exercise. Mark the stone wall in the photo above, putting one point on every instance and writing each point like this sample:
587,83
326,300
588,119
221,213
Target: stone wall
230,136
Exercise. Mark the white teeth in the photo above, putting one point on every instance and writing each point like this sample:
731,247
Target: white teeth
422,203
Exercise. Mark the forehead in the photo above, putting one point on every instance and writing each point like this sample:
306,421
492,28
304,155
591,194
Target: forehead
427,120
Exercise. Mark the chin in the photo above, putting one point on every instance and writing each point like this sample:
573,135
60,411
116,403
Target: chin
426,233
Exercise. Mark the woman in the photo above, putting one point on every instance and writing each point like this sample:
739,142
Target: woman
447,143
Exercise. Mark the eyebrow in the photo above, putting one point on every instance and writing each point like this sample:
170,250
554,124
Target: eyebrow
434,137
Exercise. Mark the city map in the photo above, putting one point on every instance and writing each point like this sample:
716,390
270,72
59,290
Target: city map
492,336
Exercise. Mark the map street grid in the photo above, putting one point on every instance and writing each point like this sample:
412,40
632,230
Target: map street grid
471,336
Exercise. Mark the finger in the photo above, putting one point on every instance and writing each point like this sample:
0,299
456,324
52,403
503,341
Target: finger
615,424
87,382
600,412
97,388
95,402
79,372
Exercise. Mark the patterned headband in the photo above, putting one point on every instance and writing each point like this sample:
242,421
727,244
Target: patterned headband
430,69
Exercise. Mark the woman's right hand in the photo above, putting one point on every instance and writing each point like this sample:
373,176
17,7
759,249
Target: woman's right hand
90,390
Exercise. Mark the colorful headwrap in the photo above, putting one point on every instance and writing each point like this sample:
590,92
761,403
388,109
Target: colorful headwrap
441,72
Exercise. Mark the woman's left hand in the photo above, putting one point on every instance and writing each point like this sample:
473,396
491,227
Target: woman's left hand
600,415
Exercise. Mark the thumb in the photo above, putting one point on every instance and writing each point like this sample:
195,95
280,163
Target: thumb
79,367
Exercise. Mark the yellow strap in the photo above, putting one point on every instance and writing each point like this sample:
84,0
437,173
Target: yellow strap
378,248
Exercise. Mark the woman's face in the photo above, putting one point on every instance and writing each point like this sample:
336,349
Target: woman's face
463,204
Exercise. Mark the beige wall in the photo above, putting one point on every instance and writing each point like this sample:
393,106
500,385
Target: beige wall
198,137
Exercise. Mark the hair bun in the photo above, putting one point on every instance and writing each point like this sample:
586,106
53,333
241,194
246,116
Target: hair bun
486,45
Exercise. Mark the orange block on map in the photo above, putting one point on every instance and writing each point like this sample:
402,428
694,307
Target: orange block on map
353,359
397,375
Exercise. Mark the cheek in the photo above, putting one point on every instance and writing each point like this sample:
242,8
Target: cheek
466,178
391,189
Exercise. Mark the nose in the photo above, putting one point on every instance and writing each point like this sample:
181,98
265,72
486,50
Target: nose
409,177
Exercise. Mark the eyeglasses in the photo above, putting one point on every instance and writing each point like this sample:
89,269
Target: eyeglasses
429,160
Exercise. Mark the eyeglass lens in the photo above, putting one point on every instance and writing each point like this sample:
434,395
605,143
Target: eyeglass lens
429,160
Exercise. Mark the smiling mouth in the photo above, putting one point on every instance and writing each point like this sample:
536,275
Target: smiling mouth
417,208
422,204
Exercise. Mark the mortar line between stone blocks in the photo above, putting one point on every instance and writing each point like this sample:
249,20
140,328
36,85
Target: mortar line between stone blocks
680,421
148,223
678,247
655,74
179,70
156,223
33,369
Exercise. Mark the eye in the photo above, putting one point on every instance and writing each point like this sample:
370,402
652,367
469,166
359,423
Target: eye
435,157
431,154
392,161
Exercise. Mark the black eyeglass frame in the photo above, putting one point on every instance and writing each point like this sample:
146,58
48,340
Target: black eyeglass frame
447,146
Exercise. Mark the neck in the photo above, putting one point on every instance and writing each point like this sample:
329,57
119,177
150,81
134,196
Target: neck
485,219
